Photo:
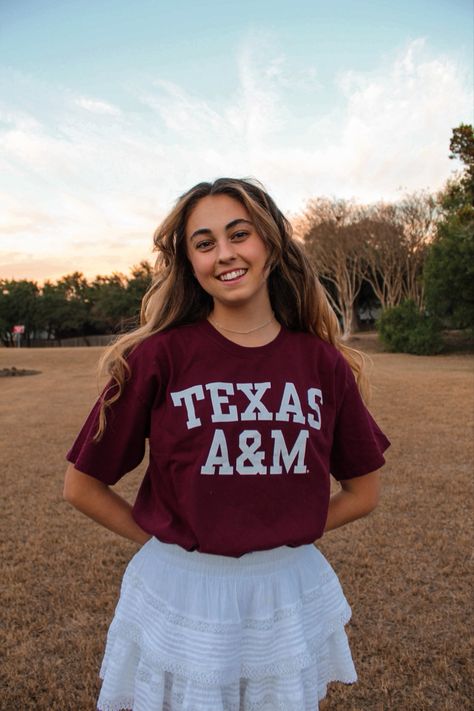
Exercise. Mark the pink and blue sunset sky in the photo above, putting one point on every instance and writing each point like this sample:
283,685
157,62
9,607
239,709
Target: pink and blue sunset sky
110,110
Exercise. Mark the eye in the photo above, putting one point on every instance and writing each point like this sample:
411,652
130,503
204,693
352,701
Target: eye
204,244
239,235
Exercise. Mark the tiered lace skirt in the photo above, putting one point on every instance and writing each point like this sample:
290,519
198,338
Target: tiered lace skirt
199,632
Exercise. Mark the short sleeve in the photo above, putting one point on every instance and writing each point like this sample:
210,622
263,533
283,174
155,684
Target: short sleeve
122,446
358,442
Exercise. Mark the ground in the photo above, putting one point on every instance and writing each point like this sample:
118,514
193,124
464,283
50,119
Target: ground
404,568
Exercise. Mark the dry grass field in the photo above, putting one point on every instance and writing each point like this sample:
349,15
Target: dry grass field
405,569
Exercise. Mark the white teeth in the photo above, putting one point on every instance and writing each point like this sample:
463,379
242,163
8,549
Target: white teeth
232,275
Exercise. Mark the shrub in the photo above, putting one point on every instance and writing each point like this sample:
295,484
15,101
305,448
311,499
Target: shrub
404,329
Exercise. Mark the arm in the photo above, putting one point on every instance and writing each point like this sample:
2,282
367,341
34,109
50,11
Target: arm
357,498
97,500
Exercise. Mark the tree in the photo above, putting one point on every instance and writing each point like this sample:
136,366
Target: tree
449,271
333,243
110,303
63,311
383,251
461,146
384,245
138,284
417,214
18,305
395,242
117,299
65,307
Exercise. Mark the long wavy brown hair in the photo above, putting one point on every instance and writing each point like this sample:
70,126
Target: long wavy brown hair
175,297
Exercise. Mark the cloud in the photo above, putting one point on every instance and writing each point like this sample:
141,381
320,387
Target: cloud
181,112
96,106
397,124
16,218
90,179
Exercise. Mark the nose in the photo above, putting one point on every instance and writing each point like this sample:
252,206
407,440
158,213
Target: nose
225,251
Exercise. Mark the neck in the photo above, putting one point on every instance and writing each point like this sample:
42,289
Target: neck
243,319
245,335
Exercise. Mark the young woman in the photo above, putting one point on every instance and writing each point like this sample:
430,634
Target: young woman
249,401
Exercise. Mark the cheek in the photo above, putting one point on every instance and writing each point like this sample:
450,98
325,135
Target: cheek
200,266
263,254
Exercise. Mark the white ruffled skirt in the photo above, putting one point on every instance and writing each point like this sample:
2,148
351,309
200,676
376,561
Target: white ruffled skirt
199,632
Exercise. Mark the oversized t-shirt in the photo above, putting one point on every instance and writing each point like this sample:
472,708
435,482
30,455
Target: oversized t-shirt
242,440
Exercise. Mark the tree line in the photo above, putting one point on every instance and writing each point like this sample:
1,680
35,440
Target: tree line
419,250
72,306
376,249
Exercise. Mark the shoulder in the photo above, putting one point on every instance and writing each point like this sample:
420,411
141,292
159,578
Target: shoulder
159,347
315,346
160,339
321,359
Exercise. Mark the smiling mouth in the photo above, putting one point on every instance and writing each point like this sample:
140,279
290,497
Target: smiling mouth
231,276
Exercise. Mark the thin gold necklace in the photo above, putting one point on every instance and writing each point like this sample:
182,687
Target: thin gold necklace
242,333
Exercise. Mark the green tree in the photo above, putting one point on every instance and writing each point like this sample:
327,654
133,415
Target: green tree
65,307
18,305
462,148
449,270
117,299
110,302
61,316
138,284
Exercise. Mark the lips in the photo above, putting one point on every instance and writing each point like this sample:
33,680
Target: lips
230,276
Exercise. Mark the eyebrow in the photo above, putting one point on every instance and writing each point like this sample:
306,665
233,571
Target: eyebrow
208,231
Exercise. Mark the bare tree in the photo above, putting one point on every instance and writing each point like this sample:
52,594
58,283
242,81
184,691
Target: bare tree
383,244
383,247
395,246
417,214
333,243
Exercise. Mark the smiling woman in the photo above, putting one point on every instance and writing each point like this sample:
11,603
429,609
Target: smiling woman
230,261
238,379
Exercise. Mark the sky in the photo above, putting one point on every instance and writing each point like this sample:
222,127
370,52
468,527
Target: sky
110,109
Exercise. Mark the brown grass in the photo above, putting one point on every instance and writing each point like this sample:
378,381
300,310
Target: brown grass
404,569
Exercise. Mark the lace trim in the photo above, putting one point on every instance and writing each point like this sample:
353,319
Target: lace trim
177,701
221,627
174,704
173,700
171,705
119,703
128,631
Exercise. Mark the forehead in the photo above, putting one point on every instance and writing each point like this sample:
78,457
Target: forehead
214,212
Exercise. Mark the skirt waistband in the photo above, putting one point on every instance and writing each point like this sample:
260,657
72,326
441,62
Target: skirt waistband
250,563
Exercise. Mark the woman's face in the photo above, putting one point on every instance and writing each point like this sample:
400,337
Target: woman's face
227,255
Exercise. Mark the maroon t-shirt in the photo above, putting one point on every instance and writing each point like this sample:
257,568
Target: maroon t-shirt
241,440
